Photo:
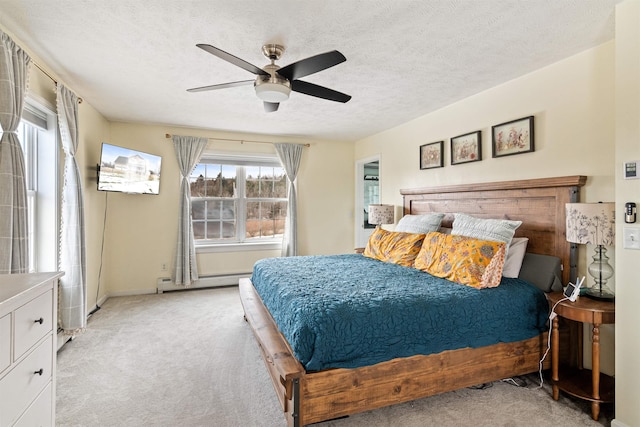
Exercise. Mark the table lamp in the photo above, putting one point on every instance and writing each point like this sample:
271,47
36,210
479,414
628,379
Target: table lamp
381,214
594,223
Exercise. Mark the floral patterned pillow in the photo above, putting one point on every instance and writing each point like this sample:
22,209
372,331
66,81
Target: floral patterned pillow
465,260
396,247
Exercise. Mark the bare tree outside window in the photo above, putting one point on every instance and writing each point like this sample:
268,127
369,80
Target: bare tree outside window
238,203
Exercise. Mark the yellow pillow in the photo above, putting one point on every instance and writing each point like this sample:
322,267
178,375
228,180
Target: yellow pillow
396,247
461,259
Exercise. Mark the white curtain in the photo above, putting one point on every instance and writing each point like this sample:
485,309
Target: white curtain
14,243
290,155
73,287
189,149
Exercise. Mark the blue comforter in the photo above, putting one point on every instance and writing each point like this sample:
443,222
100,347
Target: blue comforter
347,311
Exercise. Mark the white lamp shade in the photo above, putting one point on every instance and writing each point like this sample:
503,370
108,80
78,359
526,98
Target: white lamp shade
381,214
591,223
272,92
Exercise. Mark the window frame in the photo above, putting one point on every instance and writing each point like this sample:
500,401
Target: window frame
42,163
240,161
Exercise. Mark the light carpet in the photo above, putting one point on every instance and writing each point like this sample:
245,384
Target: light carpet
189,359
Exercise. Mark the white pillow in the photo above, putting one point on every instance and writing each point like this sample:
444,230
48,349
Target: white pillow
420,224
497,230
515,255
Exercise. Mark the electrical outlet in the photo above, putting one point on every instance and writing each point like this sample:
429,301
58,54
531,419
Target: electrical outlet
163,266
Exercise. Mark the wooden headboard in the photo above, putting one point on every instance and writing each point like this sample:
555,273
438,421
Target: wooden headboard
538,203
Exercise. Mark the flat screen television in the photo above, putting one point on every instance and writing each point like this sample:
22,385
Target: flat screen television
128,171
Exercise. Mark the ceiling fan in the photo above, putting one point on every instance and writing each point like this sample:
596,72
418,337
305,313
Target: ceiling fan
274,84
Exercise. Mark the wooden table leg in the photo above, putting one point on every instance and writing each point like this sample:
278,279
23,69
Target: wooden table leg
555,354
580,344
595,371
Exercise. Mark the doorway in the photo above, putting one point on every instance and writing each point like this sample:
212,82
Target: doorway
367,192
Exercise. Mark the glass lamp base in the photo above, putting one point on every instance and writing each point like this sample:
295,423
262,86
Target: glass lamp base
600,294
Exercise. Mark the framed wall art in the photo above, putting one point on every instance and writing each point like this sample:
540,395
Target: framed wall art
431,155
514,137
466,148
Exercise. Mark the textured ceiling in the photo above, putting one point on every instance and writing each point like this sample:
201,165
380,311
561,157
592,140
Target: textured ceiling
134,60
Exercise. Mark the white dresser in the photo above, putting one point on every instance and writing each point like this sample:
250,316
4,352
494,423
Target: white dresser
28,344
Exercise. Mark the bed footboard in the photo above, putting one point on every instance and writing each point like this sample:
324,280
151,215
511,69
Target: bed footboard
313,397
339,392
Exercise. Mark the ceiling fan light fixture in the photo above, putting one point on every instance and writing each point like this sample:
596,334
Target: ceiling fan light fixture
273,84
273,92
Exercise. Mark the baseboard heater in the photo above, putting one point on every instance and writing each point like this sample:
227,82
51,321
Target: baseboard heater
166,284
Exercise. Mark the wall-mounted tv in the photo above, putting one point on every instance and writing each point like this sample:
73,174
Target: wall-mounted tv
128,171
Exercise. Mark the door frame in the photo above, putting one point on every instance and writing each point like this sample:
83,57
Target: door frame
362,234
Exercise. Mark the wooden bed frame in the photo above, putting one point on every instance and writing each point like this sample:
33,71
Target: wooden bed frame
311,397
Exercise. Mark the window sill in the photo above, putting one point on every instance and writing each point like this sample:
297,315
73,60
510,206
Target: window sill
237,247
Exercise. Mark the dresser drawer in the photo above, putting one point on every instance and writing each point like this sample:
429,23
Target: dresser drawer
39,413
32,322
5,342
23,384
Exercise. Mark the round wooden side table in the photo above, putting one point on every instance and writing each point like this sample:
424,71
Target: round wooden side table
585,384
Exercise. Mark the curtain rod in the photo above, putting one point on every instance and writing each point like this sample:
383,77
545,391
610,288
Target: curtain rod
49,75
242,141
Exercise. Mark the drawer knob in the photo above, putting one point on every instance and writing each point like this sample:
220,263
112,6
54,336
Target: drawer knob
40,320
40,372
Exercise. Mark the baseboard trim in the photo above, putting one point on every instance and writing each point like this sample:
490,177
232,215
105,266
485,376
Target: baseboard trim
130,293
165,284
102,300
63,339
616,423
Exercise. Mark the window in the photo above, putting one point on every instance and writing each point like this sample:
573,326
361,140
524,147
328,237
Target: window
238,200
38,137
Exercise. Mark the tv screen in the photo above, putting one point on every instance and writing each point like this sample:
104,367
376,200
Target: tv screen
128,171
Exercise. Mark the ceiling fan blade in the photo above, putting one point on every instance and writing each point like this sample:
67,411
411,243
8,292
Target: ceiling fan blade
221,86
311,65
270,107
319,91
233,59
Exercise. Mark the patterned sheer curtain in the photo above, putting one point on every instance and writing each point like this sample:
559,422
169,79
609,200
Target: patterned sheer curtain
189,149
14,70
290,156
73,286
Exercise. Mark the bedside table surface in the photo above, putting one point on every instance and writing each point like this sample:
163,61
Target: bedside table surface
584,309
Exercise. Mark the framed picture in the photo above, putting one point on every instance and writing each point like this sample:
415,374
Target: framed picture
466,148
431,155
514,137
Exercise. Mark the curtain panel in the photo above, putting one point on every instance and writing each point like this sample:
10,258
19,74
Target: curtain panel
72,260
14,243
188,149
290,156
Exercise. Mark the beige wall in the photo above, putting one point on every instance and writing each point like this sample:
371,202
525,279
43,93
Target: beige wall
141,230
573,105
93,127
627,260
